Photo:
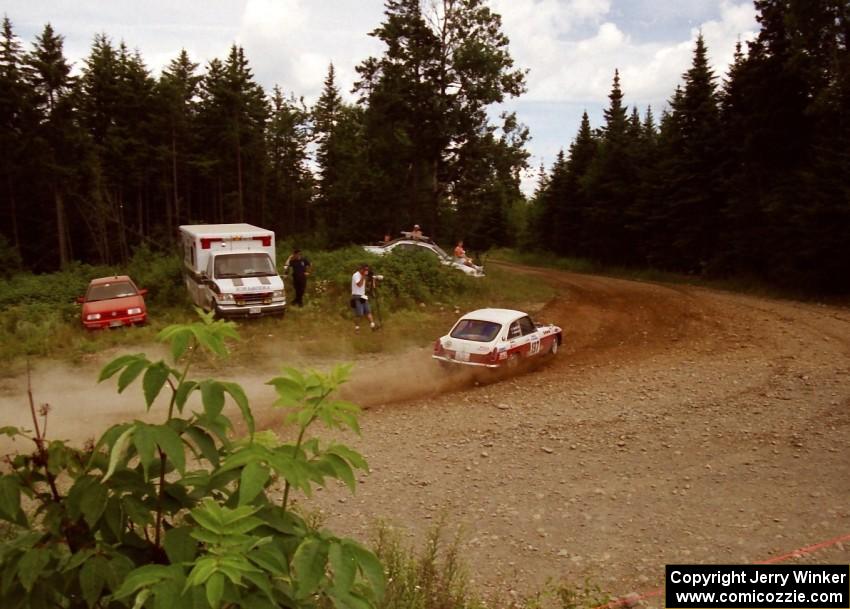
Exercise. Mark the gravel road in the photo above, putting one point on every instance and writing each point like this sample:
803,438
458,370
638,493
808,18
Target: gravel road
679,424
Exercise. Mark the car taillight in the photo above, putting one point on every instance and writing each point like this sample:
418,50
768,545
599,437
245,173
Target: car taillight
92,316
438,346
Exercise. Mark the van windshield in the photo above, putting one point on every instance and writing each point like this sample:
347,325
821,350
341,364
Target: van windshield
243,265
476,329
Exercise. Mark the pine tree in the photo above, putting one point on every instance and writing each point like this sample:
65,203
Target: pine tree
232,116
290,184
576,240
693,205
176,90
49,75
15,123
610,187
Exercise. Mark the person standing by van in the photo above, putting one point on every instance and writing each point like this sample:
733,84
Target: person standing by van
300,270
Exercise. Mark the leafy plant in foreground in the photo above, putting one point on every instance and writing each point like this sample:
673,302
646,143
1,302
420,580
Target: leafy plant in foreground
181,513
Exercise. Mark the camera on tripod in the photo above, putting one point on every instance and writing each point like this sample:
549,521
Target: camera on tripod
371,275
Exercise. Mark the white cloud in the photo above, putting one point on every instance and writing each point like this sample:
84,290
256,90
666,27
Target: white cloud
573,48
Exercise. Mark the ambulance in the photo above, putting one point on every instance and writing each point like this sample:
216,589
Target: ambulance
230,269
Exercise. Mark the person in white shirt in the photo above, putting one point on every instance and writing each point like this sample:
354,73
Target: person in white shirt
359,299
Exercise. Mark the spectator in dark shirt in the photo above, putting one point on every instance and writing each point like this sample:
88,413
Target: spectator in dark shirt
300,270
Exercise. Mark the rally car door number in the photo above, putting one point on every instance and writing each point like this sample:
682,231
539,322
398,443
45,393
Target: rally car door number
535,345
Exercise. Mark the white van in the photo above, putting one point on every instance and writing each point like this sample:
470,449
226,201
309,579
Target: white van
230,269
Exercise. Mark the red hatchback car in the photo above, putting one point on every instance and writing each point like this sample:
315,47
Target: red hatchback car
111,302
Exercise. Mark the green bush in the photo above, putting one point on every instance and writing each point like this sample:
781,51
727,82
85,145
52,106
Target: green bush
182,513
409,277
161,274
10,259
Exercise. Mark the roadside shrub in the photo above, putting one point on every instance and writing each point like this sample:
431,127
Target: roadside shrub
183,513
161,274
409,277
59,288
10,259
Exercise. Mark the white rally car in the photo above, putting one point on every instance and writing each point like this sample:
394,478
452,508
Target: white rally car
496,337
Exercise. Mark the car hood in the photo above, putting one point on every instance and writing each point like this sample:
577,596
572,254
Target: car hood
113,304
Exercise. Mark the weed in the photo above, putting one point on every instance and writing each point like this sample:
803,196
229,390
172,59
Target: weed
433,578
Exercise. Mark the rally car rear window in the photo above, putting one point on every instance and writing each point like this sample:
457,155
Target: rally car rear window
476,329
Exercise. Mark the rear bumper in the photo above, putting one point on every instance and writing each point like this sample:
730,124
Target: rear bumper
115,322
449,360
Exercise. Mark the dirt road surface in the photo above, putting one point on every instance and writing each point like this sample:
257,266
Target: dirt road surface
677,424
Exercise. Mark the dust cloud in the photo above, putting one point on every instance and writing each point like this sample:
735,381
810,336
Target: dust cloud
80,408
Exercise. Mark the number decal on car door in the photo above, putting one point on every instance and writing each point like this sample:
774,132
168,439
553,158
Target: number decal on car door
534,347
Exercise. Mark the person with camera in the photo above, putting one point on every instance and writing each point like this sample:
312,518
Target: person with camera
359,300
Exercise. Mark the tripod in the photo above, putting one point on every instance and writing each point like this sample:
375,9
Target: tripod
373,284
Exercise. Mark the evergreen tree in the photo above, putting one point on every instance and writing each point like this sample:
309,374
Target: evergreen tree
232,116
488,185
573,224
690,209
290,183
15,124
56,135
610,184
176,91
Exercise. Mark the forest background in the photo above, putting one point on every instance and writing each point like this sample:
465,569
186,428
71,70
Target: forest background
742,174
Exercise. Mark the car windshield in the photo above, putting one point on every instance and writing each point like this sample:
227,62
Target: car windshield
106,291
440,251
243,265
476,329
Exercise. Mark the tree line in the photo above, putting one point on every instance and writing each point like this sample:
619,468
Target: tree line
748,176
745,175
98,160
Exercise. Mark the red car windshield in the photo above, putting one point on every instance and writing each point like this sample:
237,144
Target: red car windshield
107,291
476,329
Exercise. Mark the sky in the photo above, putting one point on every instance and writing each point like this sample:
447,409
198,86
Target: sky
569,47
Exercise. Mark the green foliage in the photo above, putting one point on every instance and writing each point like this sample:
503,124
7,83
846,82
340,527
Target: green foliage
184,513
10,259
409,277
160,273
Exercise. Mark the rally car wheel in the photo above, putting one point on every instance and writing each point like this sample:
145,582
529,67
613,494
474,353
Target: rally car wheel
553,350
513,361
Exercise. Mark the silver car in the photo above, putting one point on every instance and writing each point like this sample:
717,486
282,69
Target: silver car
426,245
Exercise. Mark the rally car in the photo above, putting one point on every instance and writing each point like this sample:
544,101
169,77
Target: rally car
493,338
